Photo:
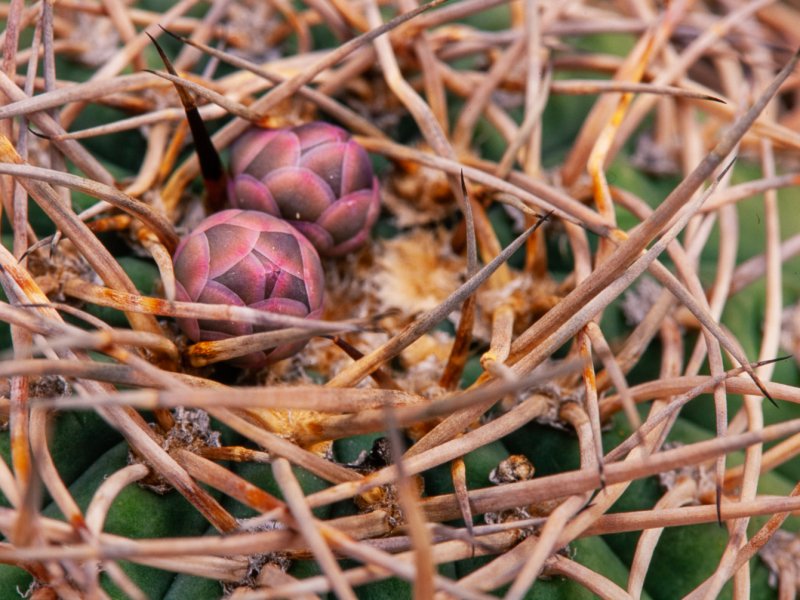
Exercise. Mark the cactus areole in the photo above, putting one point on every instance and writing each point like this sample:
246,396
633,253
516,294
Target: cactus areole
314,176
248,258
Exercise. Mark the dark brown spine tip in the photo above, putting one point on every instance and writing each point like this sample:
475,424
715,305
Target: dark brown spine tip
214,176
172,34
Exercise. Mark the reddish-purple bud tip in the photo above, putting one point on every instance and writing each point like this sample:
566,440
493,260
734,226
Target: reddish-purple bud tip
314,176
248,258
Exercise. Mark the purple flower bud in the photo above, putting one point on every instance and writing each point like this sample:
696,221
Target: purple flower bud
248,258
314,176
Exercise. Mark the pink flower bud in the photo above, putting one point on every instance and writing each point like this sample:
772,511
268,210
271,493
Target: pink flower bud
314,176
248,258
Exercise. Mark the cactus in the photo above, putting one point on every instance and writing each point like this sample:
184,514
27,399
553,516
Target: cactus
312,175
524,474
247,258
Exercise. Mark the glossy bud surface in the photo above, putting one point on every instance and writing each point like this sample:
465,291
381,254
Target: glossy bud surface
314,176
248,258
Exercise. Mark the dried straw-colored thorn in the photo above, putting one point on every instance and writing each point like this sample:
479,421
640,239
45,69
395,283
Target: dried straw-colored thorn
35,321
601,586
8,485
447,551
497,572
431,72
694,296
459,353
96,514
104,341
408,498
595,86
557,331
108,491
691,515
128,422
166,554
493,360
225,481
157,137
380,376
83,290
342,113
535,94
427,122
235,454
293,398
370,420
467,407
141,438
205,353
277,446
443,533
772,458
77,92
71,337
460,84
122,57
9,191
684,492
84,369
744,190
27,488
454,12
670,281
230,106
769,342
121,19
271,576
678,385
305,524
163,259
763,535
165,115
616,374
591,403
235,544
121,580
142,17
529,123
458,473
545,546
640,338
350,15
752,269
49,474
